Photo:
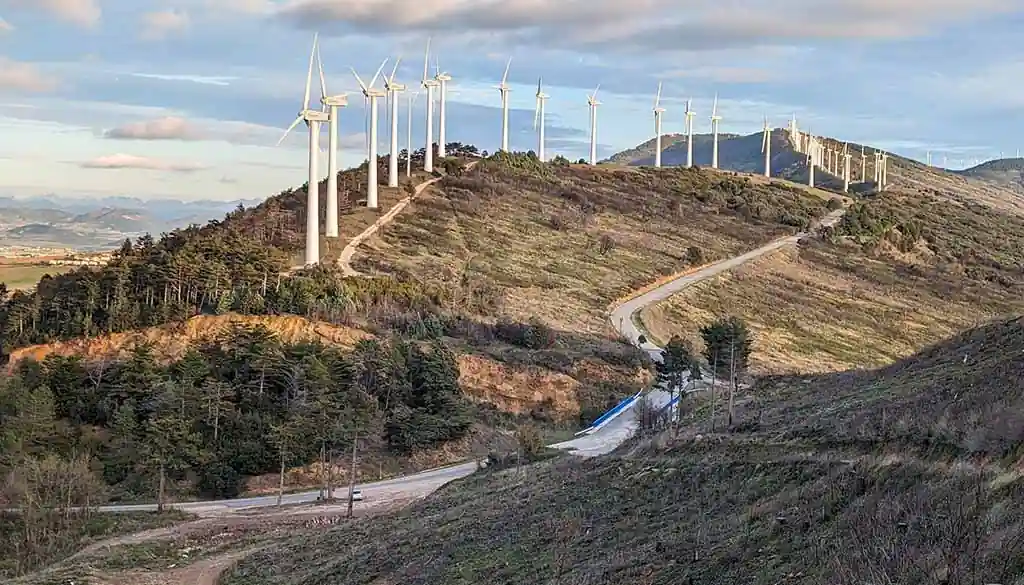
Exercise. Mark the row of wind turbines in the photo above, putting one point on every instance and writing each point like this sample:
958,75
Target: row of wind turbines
818,154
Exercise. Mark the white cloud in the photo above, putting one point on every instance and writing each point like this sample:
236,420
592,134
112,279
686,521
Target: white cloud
130,161
84,13
648,24
5,26
200,79
166,128
19,76
164,23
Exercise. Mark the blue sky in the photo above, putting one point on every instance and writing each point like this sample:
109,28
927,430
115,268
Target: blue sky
187,98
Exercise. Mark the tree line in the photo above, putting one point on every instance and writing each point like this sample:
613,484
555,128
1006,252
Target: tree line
240,405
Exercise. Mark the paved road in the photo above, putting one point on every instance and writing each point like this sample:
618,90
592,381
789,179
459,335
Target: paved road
602,441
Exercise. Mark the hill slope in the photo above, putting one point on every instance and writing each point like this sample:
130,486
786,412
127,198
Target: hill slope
907,486
1007,172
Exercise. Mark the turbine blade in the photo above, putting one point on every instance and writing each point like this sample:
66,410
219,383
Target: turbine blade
391,80
505,76
309,72
539,80
323,80
359,79
536,113
426,59
290,128
657,97
595,91
377,74
437,67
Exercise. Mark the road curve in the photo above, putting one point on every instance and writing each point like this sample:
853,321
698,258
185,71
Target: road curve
599,442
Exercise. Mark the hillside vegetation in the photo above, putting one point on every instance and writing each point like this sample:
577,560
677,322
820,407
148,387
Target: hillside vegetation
908,474
560,243
899,272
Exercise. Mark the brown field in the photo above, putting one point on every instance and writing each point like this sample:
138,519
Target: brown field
22,275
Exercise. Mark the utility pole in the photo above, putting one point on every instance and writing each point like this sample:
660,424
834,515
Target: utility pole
352,477
732,374
714,379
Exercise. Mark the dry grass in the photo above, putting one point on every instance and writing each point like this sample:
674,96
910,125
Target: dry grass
25,276
564,242
860,301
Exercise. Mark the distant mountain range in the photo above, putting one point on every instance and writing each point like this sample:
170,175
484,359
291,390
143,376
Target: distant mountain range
95,224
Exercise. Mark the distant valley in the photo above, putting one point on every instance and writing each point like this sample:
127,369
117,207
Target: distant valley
49,222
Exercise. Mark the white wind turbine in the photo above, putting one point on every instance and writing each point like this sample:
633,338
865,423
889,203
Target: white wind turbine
715,118
331,103
429,84
393,89
593,103
538,119
766,148
408,137
658,111
313,119
503,89
371,96
442,78
811,147
689,134
863,165
846,167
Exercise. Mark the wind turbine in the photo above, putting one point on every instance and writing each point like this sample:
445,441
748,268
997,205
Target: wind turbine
313,119
658,111
593,103
885,171
442,79
766,148
811,146
538,119
393,89
715,118
408,137
928,158
846,167
863,165
371,95
503,89
331,103
429,85
689,134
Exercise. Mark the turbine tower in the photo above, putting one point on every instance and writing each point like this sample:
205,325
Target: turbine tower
393,89
313,119
689,134
766,148
811,146
442,78
538,119
715,118
503,89
863,165
658,111
593,103
408,137
846,168
331,104
429,85
371,95
885,171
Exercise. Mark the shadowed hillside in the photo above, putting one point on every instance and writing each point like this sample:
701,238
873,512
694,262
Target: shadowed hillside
904,475
1008,172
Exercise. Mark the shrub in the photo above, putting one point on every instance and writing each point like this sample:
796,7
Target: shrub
606,244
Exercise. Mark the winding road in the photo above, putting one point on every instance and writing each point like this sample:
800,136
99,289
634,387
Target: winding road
591,443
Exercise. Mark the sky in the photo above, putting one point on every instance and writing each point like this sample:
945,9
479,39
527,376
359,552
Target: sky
187,99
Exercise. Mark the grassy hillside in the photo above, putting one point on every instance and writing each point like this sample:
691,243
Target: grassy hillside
903,475
562,242
899,272
1007,172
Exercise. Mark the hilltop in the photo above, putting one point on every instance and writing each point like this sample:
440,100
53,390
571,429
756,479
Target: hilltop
891,475
1007,172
